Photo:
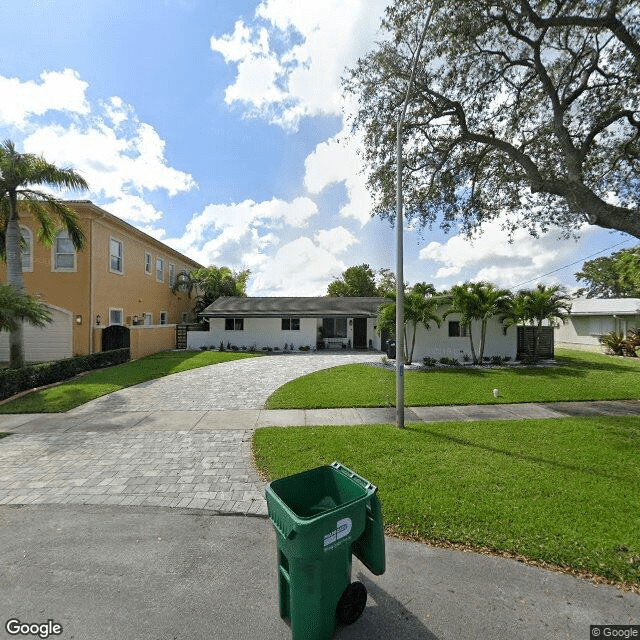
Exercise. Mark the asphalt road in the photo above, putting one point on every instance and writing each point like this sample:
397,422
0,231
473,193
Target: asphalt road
139,573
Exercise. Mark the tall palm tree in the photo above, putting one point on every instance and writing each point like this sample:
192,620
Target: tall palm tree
420,307
477,301
19,174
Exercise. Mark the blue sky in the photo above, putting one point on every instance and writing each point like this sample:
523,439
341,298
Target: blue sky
218,127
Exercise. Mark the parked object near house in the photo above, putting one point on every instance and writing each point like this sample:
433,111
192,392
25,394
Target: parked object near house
122,277
273,322
592,318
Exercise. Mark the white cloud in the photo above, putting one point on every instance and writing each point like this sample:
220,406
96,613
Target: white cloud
113,163
57,91
336,160
291,59
134,209
336,240
238,232
489,256
298,268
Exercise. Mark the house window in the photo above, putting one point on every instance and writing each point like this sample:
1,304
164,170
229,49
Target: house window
291,324
115,255
64,252
148,319
234,324
159,269
172,274
147,263
457,330
26,250
334,327
163,317
115,316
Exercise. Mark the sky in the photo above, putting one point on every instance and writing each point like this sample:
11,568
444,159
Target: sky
219,127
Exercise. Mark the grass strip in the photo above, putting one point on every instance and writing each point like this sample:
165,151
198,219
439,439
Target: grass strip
98,383
561,491
575,376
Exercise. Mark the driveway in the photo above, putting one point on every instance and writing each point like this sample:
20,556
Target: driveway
239,384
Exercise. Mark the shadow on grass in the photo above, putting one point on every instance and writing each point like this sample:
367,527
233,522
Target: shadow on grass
511,454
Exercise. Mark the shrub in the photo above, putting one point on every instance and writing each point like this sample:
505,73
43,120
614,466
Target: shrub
449,361
613,343
221,346
14,381
429,362
496,360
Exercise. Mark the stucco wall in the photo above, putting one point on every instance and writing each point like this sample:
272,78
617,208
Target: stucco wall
148,340
436,343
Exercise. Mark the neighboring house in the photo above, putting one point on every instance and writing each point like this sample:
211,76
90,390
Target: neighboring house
591,318
122,276
275,322
451,339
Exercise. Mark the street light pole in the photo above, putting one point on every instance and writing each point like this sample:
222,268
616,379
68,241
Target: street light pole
400,348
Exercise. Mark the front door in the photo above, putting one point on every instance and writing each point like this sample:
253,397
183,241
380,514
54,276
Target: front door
359,333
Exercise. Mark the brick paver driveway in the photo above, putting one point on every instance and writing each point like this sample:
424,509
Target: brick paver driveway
136,446
240,384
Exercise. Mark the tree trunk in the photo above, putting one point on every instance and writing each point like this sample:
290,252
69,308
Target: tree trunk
413,342
473,351
15,280
483,335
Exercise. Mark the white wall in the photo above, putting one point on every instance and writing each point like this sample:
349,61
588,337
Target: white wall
583,332
261,332
436,343
52,342
267,332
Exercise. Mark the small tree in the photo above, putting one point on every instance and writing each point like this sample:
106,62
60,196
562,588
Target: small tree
355,281
16,308
211,283
614,276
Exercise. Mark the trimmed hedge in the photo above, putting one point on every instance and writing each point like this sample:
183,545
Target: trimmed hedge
14,381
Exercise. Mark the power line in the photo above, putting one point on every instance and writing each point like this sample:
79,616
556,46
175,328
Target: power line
566,266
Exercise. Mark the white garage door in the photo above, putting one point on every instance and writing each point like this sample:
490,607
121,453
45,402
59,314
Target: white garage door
53,342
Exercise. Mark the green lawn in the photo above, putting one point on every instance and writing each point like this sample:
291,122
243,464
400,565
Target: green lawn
102,381
559,491
577,376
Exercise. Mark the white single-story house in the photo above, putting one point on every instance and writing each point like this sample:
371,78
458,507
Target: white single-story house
335,323
332,323
591,318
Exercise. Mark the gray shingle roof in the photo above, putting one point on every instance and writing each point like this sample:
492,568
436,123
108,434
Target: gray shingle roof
299,307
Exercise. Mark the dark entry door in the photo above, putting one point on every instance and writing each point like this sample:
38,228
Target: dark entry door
359,333
115,337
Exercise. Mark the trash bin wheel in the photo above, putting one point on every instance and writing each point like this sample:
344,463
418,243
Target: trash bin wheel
351,603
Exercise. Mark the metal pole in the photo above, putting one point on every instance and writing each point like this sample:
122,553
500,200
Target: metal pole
399,286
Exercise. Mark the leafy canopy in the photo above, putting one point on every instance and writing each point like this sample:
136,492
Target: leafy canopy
614,276
527,107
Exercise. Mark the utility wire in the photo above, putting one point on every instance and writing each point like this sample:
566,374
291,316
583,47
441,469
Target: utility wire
566,266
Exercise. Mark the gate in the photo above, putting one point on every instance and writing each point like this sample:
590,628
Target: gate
115,337
181,333
527,340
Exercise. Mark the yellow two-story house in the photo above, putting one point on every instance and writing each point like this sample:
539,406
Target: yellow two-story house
122,276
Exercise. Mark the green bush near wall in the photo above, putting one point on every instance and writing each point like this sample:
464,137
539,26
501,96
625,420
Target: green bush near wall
14,381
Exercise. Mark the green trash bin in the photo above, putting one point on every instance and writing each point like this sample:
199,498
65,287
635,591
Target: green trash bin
322,517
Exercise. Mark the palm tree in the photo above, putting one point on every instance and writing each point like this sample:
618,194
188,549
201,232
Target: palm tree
477,301
544,303
19,172
18,307
420,307
211,283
